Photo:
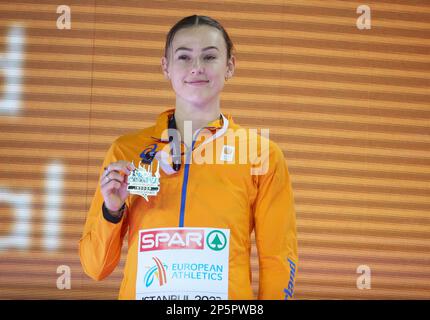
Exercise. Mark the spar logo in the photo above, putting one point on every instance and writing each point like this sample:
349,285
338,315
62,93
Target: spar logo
170,239
216,240
158,271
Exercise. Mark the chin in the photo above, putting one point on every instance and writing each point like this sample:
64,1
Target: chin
199,101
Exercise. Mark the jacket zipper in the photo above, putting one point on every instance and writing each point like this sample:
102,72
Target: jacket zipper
184,186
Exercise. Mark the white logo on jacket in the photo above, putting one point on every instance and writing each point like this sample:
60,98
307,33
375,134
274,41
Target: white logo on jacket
227,153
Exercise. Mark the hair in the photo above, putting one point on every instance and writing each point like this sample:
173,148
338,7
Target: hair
196,20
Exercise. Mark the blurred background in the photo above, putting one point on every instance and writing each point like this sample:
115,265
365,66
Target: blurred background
343,89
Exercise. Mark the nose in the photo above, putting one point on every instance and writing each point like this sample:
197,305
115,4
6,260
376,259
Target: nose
197,67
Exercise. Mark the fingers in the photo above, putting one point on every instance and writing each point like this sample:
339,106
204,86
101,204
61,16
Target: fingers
118,166
112,176
116,171
113,183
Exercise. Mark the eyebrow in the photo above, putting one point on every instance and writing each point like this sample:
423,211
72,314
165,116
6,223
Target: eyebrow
188,49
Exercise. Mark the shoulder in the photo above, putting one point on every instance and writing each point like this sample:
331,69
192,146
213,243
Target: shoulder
133,137
258,136
125,146
259,144
275,150
264,154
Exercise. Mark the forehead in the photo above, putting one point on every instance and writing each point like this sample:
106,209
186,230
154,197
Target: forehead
199,37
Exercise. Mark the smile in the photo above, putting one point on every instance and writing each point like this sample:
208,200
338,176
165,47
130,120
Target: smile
198,83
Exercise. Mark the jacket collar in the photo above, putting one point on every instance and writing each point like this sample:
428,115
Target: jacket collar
166,121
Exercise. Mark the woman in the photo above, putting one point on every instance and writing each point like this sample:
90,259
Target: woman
188,206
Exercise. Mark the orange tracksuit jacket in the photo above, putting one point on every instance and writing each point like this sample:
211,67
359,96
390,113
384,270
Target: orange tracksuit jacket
202,195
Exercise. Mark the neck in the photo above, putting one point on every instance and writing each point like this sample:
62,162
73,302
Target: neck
199,116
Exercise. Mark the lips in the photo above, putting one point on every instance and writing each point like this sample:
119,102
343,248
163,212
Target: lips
197,81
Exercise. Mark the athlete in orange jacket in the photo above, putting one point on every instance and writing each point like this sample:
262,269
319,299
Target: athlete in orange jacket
190,205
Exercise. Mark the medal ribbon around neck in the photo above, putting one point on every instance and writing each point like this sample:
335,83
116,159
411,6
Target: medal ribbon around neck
163,157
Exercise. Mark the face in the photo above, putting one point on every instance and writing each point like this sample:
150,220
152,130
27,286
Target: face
197,64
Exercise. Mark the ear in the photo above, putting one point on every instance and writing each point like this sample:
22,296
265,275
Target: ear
165,68
231,65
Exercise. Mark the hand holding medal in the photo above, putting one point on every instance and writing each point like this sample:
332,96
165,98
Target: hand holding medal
113,184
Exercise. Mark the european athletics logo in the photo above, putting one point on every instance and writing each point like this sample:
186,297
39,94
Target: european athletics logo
159,271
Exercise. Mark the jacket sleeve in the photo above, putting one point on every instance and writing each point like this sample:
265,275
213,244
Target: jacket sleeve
275,229
101,242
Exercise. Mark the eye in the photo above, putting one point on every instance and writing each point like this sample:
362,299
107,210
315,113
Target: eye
210,57
183,57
